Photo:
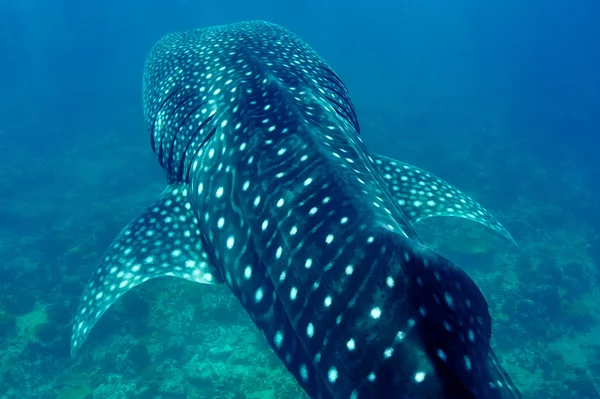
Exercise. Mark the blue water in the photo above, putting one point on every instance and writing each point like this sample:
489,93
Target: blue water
501,98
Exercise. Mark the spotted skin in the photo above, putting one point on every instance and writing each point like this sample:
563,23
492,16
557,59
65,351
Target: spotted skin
284,203
164,240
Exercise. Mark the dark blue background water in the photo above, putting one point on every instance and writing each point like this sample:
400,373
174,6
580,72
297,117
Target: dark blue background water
539,59
500,97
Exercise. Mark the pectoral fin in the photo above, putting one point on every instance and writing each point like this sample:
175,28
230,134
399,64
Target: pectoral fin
164,240
421,195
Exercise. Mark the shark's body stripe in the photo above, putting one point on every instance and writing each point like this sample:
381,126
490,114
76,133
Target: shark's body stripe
189,114
260,142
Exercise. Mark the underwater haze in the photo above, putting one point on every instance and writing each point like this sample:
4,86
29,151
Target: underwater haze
500,98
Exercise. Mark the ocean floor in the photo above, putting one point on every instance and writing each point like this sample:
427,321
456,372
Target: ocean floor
174,339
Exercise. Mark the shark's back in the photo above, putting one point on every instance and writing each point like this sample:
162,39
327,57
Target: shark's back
194,74
273,192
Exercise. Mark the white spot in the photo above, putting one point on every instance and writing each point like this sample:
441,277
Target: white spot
293,293
329,239
248,272
419,377
332,375
442,355
303,373
230,242
375,313
351,345
278,340
258,296
449,300
388,352
219,192
310,330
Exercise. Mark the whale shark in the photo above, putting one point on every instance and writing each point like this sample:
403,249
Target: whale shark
271,191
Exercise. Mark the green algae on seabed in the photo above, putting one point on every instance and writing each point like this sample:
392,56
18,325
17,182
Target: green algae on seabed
459,236
474,241
75,392
8,324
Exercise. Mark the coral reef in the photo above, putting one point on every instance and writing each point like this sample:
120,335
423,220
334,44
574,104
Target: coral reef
175,339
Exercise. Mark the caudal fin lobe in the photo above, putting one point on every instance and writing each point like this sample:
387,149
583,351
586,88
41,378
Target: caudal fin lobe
454,327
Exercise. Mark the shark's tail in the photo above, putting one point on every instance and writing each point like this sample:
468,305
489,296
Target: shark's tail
503,384
455,329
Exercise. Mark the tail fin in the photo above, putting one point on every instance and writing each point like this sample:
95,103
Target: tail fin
500,382
456,328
